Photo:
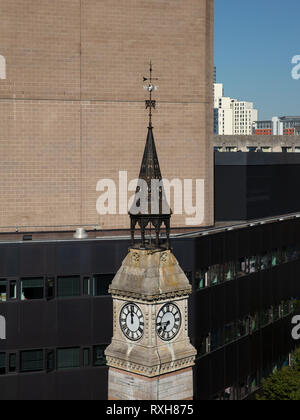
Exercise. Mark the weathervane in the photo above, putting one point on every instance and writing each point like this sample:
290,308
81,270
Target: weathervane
150,103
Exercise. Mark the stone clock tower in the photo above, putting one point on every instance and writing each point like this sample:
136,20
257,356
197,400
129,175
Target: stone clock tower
150,356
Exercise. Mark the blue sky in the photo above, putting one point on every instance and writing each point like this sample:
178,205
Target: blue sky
255,41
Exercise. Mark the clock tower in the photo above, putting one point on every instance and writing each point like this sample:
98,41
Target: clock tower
150,356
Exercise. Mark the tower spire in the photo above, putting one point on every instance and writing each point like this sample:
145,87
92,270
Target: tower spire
150,207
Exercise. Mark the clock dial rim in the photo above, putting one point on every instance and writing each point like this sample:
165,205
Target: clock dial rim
178,327
139,318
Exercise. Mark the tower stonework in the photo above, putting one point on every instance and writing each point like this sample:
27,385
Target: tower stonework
71,85
150,356
155,362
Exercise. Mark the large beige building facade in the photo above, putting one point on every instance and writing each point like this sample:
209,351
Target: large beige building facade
72,106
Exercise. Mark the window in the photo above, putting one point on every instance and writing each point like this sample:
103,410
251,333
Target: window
241,267
31,361
201,346
265,261
3,290
99,356
216,339
101,283
252,264
68,358
265,317
285,308
68,286
242,327
32,288
276,313
254,323
201,278
229,271
2,363
50,365
291,253
50,288
214,275
230,332
13,289
86,286
275,260
12,362
86,357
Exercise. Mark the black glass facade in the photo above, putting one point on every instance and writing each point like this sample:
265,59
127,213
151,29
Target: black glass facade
54,297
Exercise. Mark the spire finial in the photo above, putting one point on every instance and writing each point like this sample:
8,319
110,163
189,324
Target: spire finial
155,211
150,103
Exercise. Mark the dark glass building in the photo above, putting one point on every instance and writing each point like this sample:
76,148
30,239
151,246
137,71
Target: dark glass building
53,296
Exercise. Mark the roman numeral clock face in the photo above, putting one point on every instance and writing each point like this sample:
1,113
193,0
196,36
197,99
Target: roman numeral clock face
132,322
168,321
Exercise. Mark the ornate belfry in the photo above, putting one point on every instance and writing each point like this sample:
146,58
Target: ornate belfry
150,356
155,211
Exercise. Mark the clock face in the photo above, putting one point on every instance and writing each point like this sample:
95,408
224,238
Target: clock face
132,321
168,321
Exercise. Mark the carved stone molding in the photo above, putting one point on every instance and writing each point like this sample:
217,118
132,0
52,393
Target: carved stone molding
150,298
150,371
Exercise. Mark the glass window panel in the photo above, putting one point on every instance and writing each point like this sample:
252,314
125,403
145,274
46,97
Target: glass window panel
201,346
13,289
50,284
254,322
87,286
275,258
12,362
31,361
3,290
214,275
242,267
242,327
2,363
68,286
50,360
265,261
276,313
265,317
101,283
68,358
216,339
291,253
230,332
201,278
99,356
32,288
86,357
252,264
286,308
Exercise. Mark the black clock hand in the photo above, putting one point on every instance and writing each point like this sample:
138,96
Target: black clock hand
132,314
166,324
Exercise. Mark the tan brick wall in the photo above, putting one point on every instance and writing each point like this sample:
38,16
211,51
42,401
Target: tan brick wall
72,109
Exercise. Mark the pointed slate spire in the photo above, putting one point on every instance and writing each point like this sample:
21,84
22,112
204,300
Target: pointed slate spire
150,207
150,166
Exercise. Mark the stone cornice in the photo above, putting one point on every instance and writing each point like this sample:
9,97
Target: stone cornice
150,371
150,298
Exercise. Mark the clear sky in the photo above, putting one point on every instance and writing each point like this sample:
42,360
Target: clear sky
255,41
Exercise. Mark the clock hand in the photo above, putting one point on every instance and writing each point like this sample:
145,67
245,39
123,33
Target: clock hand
166,324
132,314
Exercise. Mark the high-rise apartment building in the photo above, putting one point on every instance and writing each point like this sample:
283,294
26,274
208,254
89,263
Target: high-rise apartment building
232,116
278,126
